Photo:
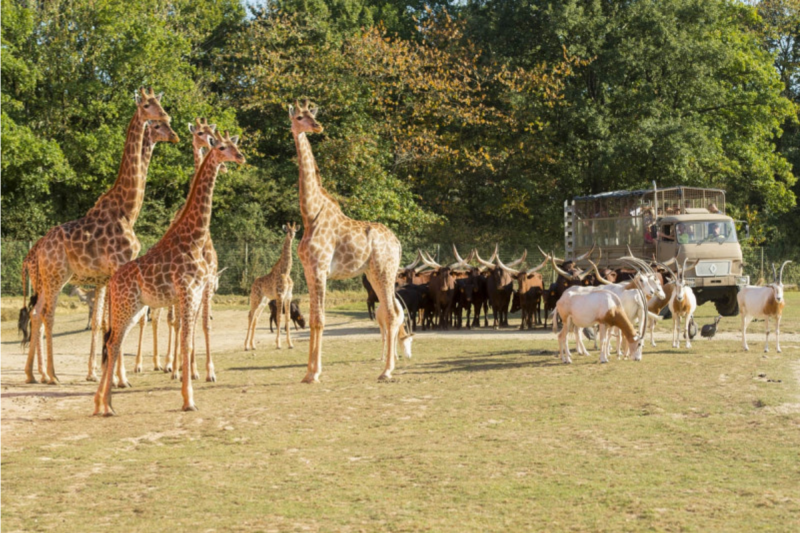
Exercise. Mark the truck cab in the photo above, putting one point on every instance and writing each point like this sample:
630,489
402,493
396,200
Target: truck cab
677,222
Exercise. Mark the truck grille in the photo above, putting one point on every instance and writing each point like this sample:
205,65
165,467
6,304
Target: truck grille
711,269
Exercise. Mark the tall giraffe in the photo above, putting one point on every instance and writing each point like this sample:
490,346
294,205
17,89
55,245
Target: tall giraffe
173,272
277,285
201,131
89,250
337,247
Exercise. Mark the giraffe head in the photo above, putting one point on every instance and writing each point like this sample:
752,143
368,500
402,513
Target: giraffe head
303,117
224,148
202,131
290,229
149,105
160,131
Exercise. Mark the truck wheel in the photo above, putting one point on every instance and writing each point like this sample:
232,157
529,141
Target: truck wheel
728,306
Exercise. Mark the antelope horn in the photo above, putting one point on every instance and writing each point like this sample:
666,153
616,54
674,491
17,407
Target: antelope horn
538,268
774,274
219,272
600,278
506,268
780,279
518,261
665,267
672,261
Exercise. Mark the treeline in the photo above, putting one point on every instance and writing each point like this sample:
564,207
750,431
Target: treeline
446,120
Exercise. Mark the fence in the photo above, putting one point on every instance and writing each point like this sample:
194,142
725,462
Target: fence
247,261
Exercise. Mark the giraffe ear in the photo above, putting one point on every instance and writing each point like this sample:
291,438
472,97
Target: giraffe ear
191,128
159,96
285,229
291,111
213,127
313,110
137,97
235,140
212,141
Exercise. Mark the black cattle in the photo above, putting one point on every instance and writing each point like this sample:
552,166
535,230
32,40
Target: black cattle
471,294
294,313
415,297
372,297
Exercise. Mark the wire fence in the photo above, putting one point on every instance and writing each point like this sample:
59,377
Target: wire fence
244,262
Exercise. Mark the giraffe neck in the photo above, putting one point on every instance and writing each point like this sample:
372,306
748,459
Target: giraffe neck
286,255
197,151
125,197
148,145
193,221
312,196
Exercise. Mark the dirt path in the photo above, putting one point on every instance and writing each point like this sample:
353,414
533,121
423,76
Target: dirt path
72,341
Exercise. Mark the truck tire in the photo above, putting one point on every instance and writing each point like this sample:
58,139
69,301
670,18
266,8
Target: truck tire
728,306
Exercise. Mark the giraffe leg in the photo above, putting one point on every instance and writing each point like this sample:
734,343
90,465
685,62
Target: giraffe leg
279,305
177,362
287,302
189,306
98,319
156,318
172,350
316,283
137,368
207,296
35,346
48,317
122,320
122,378
257,302
392,318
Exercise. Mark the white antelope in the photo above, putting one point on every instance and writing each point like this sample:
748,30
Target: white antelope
763,302
584,309
682,304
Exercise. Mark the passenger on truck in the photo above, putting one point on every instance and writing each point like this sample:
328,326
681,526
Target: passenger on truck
683,236
714,232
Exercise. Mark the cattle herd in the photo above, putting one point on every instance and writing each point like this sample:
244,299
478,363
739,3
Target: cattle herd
612,300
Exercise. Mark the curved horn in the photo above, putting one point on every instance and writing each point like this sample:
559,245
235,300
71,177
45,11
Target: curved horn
538,268
562,272
428,260
487,264
600,278
549,256
416,261
780,278
587,254
506,268
518,261
666,268
774,274
672,261
458,257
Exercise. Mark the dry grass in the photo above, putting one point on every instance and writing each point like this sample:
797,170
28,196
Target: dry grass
476,433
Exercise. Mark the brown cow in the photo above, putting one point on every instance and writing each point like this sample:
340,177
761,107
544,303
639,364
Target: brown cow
531,287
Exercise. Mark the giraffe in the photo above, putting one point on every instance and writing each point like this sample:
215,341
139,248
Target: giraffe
277,285
337,247
201,131
173,272
89,250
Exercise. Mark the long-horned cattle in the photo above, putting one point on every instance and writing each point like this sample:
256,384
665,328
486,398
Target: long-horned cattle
471,292
530,289
682,305
442,288
499,286
763,302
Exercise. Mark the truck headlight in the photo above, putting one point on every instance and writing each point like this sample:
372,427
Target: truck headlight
743,280
691,282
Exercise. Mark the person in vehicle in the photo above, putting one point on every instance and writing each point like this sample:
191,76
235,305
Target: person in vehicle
682,236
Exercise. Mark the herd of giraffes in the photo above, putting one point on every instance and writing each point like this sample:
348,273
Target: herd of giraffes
180,272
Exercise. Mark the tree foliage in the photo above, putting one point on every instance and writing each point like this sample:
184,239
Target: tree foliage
445,120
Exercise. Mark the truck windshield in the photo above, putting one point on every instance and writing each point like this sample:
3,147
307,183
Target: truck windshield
698,232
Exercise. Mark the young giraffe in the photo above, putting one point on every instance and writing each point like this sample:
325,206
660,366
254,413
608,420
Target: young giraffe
89,250
201,131
336,246
277,285
173,272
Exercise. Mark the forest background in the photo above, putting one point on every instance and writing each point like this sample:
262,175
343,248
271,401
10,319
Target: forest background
449,121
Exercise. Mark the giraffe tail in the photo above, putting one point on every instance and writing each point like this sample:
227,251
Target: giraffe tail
105,346
405,336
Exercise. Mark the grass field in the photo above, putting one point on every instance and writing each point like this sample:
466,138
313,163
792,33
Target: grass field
478,432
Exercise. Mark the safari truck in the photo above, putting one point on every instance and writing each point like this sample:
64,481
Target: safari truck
662,224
